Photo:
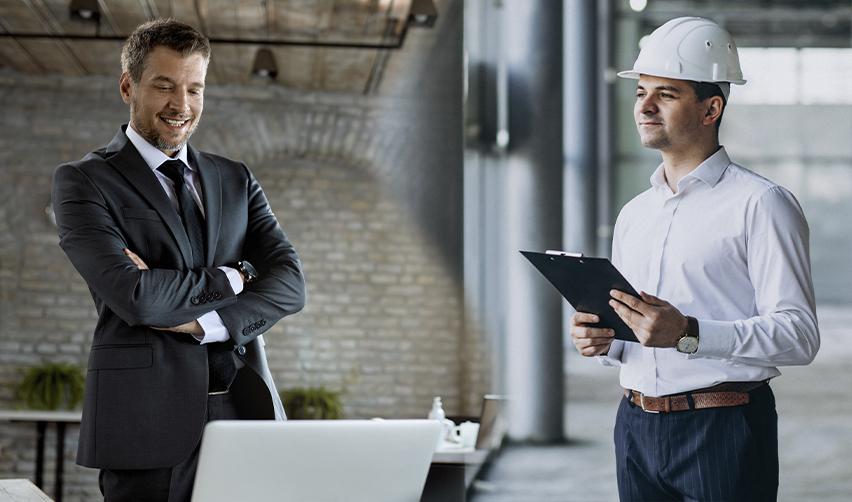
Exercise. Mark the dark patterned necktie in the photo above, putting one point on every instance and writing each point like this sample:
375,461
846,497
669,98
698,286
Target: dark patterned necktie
220,361
190,213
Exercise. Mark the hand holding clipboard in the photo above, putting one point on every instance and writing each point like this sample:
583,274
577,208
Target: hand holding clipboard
586,282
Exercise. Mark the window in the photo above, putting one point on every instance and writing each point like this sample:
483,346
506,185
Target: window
790,76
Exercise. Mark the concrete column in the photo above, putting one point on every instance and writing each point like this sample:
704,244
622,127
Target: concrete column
581,126
532,193
514,156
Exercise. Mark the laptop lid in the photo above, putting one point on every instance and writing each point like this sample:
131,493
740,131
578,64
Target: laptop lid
492,426
315,460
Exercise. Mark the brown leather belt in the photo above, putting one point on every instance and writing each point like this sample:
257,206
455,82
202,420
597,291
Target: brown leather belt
718,396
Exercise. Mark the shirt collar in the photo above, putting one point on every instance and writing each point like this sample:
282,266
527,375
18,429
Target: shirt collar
151,154
708,171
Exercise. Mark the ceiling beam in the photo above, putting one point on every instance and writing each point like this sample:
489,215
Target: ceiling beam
216,40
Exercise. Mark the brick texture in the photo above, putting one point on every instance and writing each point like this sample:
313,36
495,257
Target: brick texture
368,187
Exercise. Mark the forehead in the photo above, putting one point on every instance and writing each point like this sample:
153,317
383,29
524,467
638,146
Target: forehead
168,63
649,82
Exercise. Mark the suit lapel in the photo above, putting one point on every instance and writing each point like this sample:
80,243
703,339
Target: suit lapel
211,189
127,161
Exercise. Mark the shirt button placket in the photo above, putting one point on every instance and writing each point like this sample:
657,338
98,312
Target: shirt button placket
670,205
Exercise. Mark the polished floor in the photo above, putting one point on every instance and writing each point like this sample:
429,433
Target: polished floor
815,432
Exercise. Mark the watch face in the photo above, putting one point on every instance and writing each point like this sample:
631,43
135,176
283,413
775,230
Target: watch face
248,269
687,344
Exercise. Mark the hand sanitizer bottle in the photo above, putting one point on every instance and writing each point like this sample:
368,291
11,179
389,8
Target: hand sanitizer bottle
437,411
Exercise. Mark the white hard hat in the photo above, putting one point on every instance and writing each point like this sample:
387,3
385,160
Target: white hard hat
689,48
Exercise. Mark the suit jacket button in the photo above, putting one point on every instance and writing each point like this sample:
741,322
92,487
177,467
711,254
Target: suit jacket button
209,297
241,350
194,300
217,295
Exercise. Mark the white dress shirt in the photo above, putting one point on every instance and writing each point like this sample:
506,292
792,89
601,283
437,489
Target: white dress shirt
730,248
211,322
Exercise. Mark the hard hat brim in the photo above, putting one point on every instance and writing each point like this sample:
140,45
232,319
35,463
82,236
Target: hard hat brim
634,74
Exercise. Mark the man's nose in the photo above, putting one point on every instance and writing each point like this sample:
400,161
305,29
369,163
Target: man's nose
180,100
647,105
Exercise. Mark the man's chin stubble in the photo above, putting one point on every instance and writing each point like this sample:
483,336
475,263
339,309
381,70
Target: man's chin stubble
656,143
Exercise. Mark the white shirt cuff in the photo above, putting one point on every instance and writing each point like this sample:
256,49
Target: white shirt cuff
214,328
715,339
233,278
613,356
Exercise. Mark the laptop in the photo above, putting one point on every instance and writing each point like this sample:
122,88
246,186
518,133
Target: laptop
315,460
492,424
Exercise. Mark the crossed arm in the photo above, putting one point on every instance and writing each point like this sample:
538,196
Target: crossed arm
192,327
163,298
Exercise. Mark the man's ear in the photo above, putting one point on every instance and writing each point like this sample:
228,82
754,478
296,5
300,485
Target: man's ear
125,87
715,105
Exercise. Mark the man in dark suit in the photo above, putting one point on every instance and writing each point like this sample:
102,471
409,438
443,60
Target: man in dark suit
187,266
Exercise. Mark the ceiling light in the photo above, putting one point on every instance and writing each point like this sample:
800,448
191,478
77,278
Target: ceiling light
85,10
638,5
423,13
264,64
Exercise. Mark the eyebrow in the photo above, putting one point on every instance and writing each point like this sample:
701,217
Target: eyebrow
670,88
162,78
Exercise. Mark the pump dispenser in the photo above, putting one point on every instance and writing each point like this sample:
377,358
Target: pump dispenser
437,411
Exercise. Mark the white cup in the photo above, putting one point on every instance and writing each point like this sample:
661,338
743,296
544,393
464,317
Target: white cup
465,434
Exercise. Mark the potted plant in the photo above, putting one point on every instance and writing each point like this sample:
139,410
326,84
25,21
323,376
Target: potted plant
310,403
51,386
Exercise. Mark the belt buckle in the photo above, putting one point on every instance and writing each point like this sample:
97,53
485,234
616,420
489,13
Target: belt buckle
642,404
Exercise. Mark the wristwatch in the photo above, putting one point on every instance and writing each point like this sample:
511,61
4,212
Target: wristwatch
688,343
245,268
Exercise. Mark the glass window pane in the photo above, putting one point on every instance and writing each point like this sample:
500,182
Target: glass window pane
826,76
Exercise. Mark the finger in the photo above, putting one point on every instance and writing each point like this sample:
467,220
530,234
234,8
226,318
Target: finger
140,264
130,254
581,332
595,350
631,301
652,300
628,315
583,318
592,342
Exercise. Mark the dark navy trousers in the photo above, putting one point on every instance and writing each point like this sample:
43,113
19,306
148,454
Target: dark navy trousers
718,454
171,484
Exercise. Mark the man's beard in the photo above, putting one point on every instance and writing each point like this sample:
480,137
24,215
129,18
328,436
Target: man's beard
151,136
657,143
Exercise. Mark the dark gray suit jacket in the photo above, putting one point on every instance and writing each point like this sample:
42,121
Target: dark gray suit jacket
146,390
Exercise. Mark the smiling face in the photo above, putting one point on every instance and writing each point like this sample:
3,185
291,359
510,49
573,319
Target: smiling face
166,103
669,115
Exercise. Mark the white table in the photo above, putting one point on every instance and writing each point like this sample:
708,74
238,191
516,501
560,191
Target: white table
41,419
21,490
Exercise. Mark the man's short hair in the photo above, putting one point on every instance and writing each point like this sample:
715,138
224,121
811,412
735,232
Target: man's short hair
179,37
705,90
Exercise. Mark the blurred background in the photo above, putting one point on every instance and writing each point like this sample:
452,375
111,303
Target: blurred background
410,148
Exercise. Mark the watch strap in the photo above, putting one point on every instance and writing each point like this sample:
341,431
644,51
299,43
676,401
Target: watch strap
691,326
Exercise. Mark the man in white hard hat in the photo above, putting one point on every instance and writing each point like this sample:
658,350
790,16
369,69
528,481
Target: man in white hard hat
720,255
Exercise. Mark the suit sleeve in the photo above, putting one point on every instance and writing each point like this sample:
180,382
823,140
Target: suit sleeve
279,290
93,242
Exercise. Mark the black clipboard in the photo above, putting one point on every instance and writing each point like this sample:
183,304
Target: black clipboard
585,282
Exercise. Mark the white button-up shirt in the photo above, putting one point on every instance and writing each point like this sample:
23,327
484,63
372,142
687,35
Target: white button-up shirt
730,248
211,322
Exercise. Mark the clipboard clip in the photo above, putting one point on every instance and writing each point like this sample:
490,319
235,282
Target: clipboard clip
557,252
